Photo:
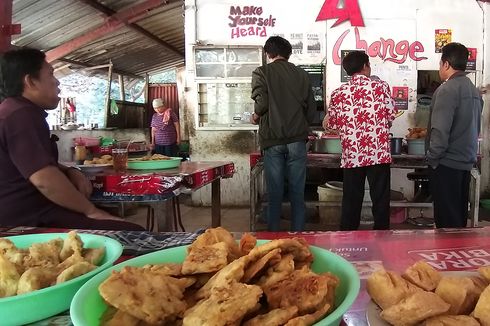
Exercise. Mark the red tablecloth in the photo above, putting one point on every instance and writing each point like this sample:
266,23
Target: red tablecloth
190,175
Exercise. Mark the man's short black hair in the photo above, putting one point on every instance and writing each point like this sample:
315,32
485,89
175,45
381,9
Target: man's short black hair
277,45
14,66
456,54
354,61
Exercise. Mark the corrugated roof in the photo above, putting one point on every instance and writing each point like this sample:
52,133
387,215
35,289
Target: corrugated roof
48,24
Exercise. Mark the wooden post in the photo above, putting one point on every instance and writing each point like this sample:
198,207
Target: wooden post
121,88
108,96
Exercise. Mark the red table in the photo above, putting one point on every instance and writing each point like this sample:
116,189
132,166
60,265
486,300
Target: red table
157,186
445,250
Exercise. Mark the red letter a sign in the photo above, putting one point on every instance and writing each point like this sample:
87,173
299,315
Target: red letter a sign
350,12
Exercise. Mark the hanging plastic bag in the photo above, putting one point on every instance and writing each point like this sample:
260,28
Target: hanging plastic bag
114,108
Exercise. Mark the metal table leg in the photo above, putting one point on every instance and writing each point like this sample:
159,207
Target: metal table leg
474,196
163,214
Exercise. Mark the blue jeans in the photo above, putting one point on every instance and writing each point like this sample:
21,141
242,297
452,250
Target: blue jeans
283,162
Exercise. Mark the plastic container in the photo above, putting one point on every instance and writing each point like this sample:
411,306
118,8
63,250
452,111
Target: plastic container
37,305
88,306
416,146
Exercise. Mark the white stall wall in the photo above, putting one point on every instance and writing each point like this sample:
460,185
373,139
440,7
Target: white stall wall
251,22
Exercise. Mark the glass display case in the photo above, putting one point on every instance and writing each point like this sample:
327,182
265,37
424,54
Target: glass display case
224,76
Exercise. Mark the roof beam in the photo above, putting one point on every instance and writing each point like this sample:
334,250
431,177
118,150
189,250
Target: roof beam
91,67
112,23
111,13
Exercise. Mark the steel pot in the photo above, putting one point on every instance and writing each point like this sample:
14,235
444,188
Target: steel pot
326,146
396,145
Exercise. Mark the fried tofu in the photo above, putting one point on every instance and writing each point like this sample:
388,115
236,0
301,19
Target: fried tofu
387,288
9,277
225,306
72,244
485,272
459,292
415,308
36,278
482,309
422,275
458,320
93,255
310,319
216,235
74,271
260,264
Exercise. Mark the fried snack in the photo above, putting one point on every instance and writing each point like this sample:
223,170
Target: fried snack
234,271
415,308
70,261
485,272
296,247
115,317
88,162
146,294
277,272
36,278
206,259
106,157
157,157
93,255
275,317
482,309
13,254
458,320
46,254
422,275
260,264
387,288
74,271
9,277
72,244
310,319
303,289
459,292
225,306
247,243
168,269
216,235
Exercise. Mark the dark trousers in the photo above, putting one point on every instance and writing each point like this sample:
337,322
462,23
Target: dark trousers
167,150
450,190
353,193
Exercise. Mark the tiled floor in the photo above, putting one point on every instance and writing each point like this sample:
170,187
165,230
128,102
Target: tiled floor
237,219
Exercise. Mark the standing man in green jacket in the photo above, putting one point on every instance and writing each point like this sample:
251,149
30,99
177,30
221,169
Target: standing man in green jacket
284,108
454,127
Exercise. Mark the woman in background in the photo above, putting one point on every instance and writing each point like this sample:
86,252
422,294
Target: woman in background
165,129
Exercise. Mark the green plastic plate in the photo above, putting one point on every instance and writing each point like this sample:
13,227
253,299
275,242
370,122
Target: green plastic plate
47,302
173,162
88,306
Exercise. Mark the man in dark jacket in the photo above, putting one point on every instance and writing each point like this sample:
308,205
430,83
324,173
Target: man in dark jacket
284,109
454,127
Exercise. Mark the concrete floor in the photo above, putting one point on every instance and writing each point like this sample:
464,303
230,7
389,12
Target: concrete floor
236,219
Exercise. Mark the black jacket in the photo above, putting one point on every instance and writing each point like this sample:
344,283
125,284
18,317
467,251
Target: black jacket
284,102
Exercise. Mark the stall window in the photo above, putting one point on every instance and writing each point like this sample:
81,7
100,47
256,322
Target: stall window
224,76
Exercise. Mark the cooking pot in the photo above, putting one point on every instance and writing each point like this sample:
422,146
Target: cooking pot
327,145
396,145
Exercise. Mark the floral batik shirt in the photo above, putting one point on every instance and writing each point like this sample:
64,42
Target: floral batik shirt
362,111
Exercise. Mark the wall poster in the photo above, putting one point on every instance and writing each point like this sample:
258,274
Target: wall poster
442,37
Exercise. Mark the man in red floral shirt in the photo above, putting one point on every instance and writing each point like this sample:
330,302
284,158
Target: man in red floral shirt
362,111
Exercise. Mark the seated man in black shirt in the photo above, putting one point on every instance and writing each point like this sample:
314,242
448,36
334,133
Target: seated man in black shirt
34,189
